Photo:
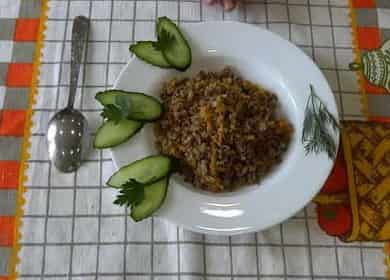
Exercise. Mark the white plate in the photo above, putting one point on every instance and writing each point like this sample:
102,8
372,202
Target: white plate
262,57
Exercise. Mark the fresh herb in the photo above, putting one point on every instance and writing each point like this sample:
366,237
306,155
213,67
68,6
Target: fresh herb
319,127
164,40
123,103
131,193
117,111
112,112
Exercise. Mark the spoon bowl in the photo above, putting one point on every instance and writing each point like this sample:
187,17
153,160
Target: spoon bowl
68,139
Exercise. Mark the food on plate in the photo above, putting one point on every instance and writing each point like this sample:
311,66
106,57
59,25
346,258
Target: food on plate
111,133
173,44
218,130
142,185
171,50
146,51
124,114
145,171
154,197
136,105
225,131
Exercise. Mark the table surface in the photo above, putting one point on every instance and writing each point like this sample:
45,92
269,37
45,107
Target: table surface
71,228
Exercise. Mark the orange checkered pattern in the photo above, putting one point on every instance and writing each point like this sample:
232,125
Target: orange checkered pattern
370,30
368,38
16,75
363,3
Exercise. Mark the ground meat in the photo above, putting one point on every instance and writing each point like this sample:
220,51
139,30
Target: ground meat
223,130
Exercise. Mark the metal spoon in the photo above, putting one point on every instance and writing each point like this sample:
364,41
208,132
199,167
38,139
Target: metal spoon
67,132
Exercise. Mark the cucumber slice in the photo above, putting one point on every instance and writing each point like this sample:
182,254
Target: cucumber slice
149,169
154,197
142,107
178,54
111,134
145,51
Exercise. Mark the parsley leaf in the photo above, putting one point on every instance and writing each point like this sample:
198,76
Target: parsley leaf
123,103
164,40
117,111
131,194
112,112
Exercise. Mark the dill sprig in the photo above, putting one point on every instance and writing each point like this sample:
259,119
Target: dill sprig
319,127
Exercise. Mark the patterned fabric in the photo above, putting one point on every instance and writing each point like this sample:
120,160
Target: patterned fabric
19,29
365,167
371,20
366,145
371,179
361,182
71,229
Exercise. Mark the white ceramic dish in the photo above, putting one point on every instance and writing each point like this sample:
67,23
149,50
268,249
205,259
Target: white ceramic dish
262,57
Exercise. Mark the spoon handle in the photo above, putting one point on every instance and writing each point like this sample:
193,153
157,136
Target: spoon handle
79,38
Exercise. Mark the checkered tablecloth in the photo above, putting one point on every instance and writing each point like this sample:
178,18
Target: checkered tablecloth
72,230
